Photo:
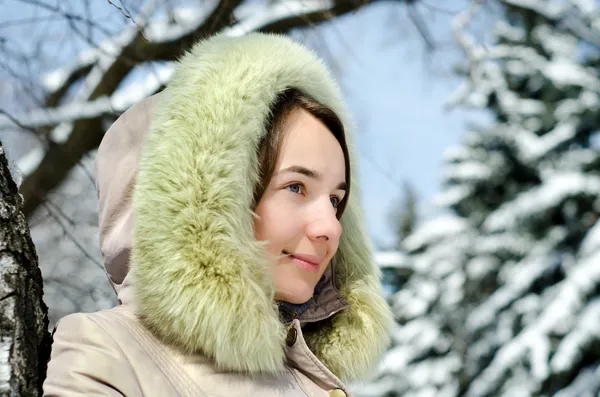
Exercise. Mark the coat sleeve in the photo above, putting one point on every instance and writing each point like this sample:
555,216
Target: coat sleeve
87,361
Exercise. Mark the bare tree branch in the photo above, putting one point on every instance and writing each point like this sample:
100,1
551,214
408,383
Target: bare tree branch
59,219
86,134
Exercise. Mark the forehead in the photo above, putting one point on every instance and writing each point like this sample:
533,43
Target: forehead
308,142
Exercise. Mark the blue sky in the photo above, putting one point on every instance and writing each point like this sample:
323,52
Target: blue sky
396,93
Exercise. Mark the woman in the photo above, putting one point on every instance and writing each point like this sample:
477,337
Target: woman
242,282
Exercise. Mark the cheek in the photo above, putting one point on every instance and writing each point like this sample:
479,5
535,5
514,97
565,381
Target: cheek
272,226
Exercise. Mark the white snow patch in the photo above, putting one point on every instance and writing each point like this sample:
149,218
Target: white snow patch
60,134
540,199
434,230
470,171
532,147
391,259
587,379
134,92
5,345
187,18
29,163
586,330
480,266
591,241
586,6
452,196
550,9
275,12
55,79
119,102
413,338
563,72
524,276
109,48
571,297
456,153
513,33
556,42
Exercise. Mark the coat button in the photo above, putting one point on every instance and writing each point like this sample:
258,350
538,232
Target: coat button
337,393
291,337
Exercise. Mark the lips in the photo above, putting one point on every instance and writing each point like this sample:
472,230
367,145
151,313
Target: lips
308,262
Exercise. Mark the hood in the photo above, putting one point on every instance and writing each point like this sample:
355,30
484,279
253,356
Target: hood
175,177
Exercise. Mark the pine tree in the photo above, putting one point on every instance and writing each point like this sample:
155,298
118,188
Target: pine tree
505,297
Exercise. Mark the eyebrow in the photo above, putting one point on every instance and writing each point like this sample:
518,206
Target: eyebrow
298,169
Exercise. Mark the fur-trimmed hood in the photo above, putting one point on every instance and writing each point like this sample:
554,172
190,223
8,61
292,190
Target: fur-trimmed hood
201,278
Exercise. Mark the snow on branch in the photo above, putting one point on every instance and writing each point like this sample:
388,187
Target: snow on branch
110,51
116,104
540,199
99,95
435,230
532,342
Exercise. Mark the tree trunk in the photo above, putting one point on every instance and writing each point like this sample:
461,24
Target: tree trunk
24,338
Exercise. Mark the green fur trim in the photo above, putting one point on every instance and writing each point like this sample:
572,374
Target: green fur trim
202,280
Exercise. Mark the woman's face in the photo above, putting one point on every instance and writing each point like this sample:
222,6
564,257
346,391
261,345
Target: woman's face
297,212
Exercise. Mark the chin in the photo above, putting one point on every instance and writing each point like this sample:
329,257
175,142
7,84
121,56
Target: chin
297,300
295,294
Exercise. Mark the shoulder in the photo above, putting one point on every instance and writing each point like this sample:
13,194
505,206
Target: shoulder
87,326
85,335
86,359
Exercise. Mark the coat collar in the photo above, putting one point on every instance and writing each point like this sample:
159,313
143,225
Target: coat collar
325,302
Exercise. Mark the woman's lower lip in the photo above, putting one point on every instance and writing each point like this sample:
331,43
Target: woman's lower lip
311,267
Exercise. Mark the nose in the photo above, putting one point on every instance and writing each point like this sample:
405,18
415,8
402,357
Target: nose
324,225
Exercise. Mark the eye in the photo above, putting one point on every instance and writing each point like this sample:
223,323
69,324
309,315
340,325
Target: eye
295,188
335,201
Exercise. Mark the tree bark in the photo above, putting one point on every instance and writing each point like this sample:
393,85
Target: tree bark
24,338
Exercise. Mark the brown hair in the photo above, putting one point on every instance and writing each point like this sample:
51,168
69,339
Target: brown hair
270,145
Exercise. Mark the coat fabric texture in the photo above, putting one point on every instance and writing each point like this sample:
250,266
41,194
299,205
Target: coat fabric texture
196,317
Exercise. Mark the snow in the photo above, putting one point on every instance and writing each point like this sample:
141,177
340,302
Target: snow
5,371
456,153
533,147
120,101
52,81
481,266
504,244
586,331
513,290
60,134
586,6
522,279
510,32
110,48
136,91
563,72
566,304
452,196
433,231
416,336
391,259
550,9
467,170
29,162
557,43
591,241
187,18
278,11
539,200
587,379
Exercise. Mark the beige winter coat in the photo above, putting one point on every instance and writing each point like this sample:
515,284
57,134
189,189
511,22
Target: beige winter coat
196,314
